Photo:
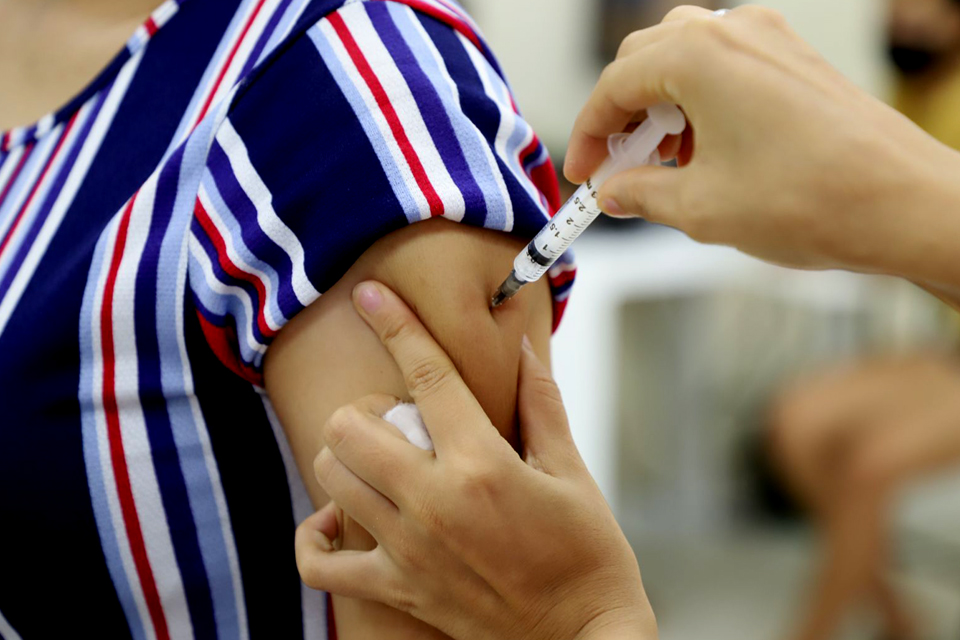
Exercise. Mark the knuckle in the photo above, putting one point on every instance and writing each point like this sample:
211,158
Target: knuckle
340,424
433,522
681,12
395,330
630,44
428,376
609,74
764,15
479,480
546,390
323,467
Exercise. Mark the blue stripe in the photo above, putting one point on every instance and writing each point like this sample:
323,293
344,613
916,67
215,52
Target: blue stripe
471,139
397,183
255,247
52,194
91,446
432,110
265,35
163,448
11,205
212,539
234,304
283,29
207,24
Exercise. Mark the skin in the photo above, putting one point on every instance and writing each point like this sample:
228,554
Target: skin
50,50
847,442
326,356
457,546
834,173
836,180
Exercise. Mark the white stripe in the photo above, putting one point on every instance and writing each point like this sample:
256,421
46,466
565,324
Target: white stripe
561,268
400,97
234,256
250,38
84,160
204,437
42,190
284,27
29,175
496,88
9,164
481,141
373,110
164,12
103,442
136,442
46,124
271,224
312,603
219,288
7,632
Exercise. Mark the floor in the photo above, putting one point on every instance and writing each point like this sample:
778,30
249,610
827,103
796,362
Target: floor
751,587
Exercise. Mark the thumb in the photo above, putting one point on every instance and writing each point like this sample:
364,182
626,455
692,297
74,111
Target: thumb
544,430
649,192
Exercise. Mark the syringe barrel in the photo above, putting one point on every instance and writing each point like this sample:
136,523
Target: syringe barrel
627,151
554,239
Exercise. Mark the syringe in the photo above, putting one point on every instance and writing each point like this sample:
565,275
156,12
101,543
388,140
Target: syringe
627,150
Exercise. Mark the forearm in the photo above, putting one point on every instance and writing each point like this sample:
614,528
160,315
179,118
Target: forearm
911,227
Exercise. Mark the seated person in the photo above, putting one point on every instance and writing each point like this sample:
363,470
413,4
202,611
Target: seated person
177,248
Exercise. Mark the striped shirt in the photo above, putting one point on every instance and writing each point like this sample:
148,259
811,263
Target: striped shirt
156,233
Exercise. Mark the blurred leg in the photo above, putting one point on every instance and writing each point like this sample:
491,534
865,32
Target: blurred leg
817,428
857,532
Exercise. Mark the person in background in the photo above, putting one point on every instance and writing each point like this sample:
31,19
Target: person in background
849,440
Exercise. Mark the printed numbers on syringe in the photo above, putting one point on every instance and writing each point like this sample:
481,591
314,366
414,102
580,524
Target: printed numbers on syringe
585,212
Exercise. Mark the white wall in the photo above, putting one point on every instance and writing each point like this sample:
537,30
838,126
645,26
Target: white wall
849,33
548,50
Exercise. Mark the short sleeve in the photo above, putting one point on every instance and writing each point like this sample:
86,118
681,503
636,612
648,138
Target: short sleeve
380,115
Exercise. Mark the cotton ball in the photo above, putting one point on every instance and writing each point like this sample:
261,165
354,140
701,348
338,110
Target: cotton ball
406,417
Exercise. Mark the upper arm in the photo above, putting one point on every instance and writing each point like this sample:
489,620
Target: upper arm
327,356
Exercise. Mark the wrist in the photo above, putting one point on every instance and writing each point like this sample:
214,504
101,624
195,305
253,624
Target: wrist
623,624
913,230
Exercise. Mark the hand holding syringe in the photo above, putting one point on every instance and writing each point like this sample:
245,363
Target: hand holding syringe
627,151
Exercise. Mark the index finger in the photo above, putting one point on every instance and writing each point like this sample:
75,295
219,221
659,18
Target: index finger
628,85
449,408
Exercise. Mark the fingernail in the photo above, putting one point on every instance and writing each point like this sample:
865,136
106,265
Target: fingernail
368,297
526,343
613,208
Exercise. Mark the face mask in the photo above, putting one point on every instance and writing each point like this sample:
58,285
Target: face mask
913,61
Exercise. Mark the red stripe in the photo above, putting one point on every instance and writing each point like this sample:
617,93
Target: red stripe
124,491
558,309
150,26
223,341
458,25
16,171
423,181
36,185
563,278
211,230
5,141
226,65
544,178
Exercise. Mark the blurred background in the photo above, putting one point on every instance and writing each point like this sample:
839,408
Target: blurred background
672,354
